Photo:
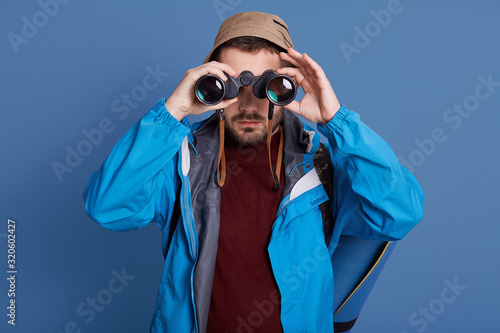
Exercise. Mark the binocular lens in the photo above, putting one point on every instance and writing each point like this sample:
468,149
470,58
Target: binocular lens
280,91
210,90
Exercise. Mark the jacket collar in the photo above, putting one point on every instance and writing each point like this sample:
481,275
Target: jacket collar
301,143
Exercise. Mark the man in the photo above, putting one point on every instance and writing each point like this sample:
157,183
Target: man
234,246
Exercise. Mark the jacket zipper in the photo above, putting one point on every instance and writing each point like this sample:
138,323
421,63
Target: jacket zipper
192,240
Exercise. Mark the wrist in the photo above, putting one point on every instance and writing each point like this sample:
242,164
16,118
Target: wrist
331,113
179,115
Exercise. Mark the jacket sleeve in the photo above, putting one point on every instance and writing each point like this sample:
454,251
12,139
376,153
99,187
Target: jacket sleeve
137,183
375,197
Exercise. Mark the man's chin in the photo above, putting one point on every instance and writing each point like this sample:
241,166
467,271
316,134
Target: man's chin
247,137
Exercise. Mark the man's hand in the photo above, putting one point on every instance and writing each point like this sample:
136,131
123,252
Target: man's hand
319,103
183,102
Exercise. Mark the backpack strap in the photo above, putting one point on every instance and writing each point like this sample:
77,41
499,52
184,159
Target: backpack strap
174,220
323,165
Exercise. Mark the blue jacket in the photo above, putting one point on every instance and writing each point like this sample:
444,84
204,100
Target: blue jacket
161,162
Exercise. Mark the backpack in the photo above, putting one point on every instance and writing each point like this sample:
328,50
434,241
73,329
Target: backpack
356,262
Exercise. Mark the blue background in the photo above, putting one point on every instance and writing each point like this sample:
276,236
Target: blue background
64,78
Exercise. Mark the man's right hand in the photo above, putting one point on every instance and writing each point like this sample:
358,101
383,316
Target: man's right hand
183,102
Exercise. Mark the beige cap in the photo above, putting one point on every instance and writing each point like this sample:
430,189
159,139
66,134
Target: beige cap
255,24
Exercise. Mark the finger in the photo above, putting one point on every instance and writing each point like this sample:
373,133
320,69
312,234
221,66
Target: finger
300,66
216,68
295,73
294,106
221,65
193,75
226,68
314,65
287,57
225,103
295,54
298,58
299,77
303,64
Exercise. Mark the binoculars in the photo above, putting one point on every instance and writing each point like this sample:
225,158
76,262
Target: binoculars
279,89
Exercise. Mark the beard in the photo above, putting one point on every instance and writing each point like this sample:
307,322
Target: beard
251,136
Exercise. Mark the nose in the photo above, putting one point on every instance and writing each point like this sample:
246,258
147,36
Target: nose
247,100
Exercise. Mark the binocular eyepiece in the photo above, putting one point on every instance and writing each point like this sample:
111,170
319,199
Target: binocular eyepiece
279,89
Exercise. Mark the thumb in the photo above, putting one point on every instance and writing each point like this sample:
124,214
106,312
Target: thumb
294,106
225,103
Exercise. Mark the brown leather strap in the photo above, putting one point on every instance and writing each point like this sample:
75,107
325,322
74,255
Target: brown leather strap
275,174
280,155
221,166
